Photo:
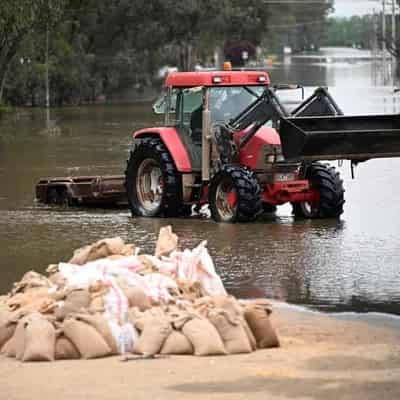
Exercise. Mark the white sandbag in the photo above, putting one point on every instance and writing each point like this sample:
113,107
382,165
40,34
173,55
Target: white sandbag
124,335
167,242
115,302
197,266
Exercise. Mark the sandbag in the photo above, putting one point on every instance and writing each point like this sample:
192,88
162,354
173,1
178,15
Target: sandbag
79,298
7,328
204,337
20,333
20,338
250,336
257,316
44,305
40,339
86,339
127,250
9,348
64,311
26,299
57,279
80,255
167,242
155,328
75,301
189,290
135,317
65,349
101,249
147,265
229,304
124,335
137,298
101,325
231,332
234,310
31,279
97,304
177,343
59,295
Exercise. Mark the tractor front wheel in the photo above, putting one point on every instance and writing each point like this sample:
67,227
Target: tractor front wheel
235,195
153,184
327,182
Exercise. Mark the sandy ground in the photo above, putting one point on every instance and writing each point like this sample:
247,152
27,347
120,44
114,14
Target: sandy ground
320,358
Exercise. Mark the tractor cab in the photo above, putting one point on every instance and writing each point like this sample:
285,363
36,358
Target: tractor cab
190,98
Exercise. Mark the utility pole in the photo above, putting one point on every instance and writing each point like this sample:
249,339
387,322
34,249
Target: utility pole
394,41
384,68
374,45
47,68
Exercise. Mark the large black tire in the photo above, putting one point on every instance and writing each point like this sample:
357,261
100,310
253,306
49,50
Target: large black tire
167,202
269,208
247,191
60,196
327,181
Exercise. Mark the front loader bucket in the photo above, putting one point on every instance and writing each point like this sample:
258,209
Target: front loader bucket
340,137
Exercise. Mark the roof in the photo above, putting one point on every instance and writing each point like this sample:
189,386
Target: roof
206,78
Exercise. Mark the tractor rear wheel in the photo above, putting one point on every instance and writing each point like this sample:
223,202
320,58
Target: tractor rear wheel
269,208
235,195
153,184
326,180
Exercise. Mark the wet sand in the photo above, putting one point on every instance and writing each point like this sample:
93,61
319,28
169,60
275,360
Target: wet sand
321,358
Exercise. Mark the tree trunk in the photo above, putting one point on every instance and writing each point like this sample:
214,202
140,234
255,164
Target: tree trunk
3,77
6,56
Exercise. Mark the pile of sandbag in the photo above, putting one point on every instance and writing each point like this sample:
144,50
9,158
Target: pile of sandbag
109,299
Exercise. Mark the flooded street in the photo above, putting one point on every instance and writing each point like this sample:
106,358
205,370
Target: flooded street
352,264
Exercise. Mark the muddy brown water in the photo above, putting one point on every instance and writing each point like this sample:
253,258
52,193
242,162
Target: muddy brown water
352,264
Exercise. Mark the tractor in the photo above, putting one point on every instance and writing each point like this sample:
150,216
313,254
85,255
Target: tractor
228,141
221,145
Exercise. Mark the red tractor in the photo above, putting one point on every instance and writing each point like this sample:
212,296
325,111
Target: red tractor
228,141
219,147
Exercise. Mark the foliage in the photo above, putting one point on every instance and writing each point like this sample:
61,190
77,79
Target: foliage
17,20
355,31
102,47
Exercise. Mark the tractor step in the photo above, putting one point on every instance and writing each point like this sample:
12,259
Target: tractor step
340,137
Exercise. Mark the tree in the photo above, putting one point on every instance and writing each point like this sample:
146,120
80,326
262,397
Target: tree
102,47
17,20
355,31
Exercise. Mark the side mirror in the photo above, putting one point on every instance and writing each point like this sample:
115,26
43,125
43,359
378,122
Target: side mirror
160,105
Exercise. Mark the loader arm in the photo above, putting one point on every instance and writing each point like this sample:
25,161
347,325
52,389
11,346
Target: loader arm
316,129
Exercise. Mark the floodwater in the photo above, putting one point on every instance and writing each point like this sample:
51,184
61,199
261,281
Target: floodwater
347,265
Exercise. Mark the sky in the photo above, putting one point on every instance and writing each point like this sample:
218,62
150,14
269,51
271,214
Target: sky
347,8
